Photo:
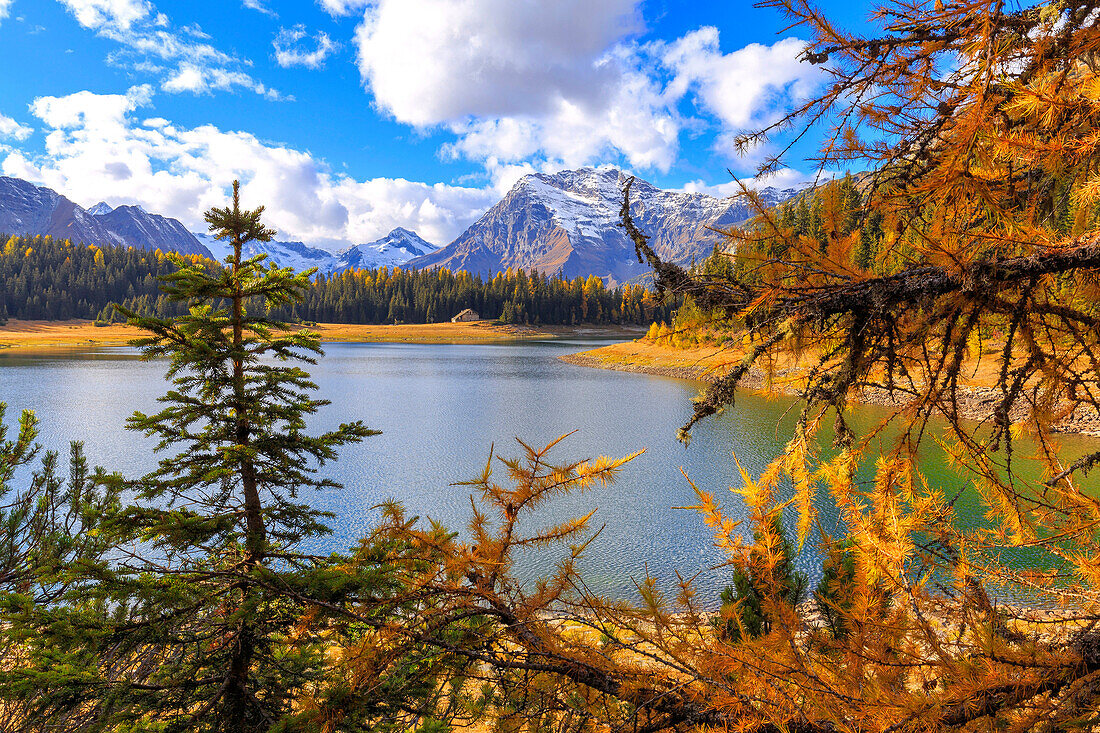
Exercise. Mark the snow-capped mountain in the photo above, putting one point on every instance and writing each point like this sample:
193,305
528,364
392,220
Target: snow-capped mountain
569,222
564,222
393,250
284,254
29,210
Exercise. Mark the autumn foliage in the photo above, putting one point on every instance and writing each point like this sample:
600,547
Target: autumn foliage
976,125
968,241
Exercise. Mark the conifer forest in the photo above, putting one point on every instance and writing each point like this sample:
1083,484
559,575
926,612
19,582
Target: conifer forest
48,279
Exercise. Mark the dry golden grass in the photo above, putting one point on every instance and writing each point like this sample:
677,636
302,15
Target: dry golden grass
643,355
977,380
700,362
83,333
430,333
63,333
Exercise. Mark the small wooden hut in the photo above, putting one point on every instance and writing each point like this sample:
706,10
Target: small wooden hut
466,316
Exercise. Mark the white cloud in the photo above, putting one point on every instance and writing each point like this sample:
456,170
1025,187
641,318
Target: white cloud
745,88
180,57
525,82
433,61
96,14
187,78
5,8
96,149
520,81
290,51
634,121
343,7
94,113
784,178
12,130
259,6
198,79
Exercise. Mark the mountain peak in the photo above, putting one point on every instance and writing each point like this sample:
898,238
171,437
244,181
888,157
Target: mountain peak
134,209
604,184
586,176
406,237
392,250
568,222
31,210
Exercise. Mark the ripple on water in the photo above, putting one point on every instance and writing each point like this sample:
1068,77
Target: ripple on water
440,408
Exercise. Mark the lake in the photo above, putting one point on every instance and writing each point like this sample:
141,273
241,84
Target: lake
440,408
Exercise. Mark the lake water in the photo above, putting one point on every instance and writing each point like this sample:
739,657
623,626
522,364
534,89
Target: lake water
440,408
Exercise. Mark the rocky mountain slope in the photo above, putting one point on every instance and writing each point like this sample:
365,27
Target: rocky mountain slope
30,210
26,209
568,222
565,222
134,226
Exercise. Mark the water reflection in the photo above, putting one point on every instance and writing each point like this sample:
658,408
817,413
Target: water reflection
440,408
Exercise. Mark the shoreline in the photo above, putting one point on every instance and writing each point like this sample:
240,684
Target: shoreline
707,364
22,335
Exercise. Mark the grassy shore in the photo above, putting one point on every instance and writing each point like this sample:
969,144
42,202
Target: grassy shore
700,363
976,394
46,334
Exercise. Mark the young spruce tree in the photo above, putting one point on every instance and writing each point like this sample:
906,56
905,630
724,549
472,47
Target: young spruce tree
221,608
51,556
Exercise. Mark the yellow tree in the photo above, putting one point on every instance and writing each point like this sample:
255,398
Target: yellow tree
977,126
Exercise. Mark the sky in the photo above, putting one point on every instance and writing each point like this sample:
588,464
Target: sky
348,118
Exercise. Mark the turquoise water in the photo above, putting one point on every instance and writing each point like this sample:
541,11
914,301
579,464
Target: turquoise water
440,408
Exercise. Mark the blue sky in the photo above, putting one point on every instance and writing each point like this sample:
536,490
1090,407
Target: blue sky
351,117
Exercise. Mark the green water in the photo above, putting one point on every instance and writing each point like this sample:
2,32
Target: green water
440,407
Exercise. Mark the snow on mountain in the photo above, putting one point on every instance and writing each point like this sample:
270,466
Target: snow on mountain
564,222
284,254
392,250
568,222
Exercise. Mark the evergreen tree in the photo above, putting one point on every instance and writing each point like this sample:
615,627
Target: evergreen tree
53,279
758,584
51,556
220,584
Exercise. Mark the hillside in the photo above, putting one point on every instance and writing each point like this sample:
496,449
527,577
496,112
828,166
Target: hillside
29,210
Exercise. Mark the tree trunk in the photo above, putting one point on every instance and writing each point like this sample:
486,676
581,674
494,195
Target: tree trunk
241,704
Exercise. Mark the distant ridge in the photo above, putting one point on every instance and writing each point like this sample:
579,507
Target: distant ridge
568,222
29,210
285,254
392,250
565,222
